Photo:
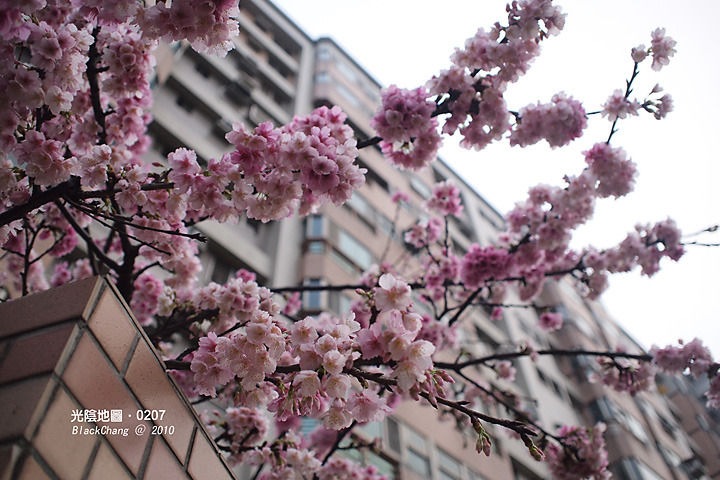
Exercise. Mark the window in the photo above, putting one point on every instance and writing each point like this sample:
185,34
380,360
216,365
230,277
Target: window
347,71
393,435
355,251
323,53
420,187
372,177
577,404
203,70
343,262
184,103
583,366
254,45
670,456
522,472
257,115
362,209
448,467
416,453
348,95
239,92
373,430
316,246
312,299
667,425
384,467
308,424
220,128
635,427
314,226
474,476
358,203
633,469
339,302
386,225
418,462
604,409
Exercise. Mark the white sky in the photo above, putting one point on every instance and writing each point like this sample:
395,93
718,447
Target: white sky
405,42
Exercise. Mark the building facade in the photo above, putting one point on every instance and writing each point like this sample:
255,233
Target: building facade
277,71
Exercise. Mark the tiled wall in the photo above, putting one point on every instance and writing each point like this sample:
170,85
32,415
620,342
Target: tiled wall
77,349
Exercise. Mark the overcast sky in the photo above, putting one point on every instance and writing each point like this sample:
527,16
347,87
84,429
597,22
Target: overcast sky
405,42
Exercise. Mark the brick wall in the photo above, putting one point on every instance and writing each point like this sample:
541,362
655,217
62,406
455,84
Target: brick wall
71,355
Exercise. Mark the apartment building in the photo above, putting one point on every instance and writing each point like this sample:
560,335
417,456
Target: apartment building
277,71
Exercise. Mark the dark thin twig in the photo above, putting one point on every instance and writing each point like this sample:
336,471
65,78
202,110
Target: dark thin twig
553,352
85,236
120,219
628,91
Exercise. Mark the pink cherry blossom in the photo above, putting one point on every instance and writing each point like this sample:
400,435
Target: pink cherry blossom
481,264
618,106
445,199
75,118
692,355
392,293
614,172
367,406
505,370
590,460
662,48
550,321
558,122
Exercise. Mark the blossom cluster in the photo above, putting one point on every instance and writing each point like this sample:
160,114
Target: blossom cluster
445,199
208,25
619,106
662,47
551,321
584,457
558,122
481,264
694,357
244,427
409,133
624,375
425,232
473,86
541,227
645,247
440,270
471,92
76,118
322,349
307,163
296,459
73,128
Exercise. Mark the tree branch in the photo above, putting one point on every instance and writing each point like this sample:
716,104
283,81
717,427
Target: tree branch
40,198
457,366
85,236
92,72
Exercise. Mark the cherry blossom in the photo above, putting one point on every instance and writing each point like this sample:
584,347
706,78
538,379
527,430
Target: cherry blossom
662,48
587,459
558,122
74,182
445,199
550,321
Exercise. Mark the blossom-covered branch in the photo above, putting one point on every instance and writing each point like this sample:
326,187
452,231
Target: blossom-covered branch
75,183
